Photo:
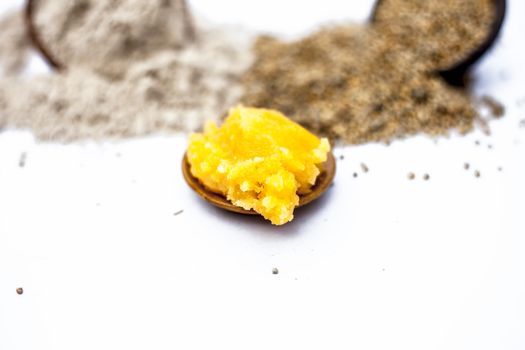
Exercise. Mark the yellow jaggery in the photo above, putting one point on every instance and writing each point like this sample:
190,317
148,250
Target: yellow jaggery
259,159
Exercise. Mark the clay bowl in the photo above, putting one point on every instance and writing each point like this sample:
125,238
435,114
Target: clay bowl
322,184
455,74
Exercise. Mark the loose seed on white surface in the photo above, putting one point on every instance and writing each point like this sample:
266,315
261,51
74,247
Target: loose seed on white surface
22,160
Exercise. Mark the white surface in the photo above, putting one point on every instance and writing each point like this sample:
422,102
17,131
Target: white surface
380,262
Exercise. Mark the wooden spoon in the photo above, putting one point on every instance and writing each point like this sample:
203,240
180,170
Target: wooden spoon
455,74
323,182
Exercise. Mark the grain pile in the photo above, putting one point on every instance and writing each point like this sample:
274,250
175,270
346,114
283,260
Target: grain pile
171,84
136,68
14,44
373,83
109,36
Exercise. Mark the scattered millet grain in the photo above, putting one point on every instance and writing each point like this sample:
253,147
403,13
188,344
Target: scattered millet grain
22,160
496,108
477,173
411,176
466,166
19,291
483,125
364,167
426,177
275,271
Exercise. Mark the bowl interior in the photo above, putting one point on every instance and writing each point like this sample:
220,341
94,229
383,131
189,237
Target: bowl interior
323,182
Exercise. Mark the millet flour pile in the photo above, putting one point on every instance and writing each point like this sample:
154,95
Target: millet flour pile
131,68
108,35
377,82
14,44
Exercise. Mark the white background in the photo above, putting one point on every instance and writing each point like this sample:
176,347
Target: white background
381,262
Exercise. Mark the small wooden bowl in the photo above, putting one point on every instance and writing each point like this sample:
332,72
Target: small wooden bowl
56,63
455,74
323,182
